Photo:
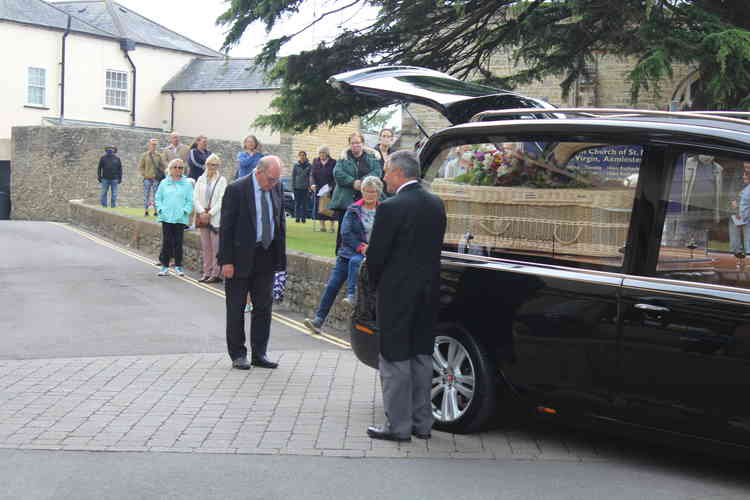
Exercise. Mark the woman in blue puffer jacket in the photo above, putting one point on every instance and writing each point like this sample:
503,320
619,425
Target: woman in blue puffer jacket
174,203
355,236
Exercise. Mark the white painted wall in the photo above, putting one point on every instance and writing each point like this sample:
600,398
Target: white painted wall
87,60
221,115
24,47
90,58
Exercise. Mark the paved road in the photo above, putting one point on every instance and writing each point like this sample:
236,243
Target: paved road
73,297
114,383
84,476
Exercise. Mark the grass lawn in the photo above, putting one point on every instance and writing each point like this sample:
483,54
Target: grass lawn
299,237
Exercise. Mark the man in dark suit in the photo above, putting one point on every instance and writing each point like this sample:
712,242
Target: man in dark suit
252,247
403,259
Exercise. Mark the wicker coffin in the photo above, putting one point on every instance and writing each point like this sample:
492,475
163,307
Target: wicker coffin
591,222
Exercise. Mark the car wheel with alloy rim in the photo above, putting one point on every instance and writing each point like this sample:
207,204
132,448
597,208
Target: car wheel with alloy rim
464,383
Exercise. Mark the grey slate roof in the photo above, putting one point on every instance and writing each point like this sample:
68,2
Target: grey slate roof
95,18
125,23
55,120
40,13
205,75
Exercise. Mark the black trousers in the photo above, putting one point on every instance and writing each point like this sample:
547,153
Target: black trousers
260,286
300,204
171,243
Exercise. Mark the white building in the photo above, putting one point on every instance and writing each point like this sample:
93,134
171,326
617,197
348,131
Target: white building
99,63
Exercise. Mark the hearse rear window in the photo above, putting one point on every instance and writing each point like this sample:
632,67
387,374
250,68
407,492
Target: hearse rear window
568,201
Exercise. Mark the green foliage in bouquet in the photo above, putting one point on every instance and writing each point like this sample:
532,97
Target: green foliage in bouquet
492,166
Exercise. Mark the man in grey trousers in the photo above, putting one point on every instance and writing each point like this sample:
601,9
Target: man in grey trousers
403,260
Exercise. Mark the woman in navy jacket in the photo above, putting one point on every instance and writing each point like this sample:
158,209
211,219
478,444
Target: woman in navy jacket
355,236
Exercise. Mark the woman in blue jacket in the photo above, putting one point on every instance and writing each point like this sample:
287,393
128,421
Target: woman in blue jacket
174,203
249,157
355,236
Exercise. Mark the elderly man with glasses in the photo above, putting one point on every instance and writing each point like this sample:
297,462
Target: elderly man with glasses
252,248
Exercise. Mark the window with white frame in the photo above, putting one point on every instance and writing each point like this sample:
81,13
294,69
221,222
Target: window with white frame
117,89
37,87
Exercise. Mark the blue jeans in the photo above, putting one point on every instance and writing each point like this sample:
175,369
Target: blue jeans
108,184
738,238
149,192
345,270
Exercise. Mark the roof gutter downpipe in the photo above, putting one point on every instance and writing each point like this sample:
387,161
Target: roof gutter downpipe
62,72
171,124
126,46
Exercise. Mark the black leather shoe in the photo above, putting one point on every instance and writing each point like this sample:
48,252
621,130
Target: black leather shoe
240,364
378,433
263,362
421,435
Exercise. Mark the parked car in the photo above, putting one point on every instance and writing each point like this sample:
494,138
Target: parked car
588,273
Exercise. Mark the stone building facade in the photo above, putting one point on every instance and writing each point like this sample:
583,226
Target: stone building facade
335,138
52,165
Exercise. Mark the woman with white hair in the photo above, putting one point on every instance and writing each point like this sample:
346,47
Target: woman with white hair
207,196
355,236
174,203
321,174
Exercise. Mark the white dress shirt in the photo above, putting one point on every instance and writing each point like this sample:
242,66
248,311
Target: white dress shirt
259,213
406,184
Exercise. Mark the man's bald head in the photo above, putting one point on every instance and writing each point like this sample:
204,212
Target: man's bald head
268,172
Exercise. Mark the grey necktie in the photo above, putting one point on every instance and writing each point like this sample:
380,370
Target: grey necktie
265,215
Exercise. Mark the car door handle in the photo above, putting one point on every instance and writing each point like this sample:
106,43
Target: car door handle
652,308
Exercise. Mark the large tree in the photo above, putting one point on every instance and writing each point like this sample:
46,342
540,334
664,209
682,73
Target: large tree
550,37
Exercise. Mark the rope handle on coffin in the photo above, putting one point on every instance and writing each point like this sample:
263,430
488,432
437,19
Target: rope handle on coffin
494,232
570,241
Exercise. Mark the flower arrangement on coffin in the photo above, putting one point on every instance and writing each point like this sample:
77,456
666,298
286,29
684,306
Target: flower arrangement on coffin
492,166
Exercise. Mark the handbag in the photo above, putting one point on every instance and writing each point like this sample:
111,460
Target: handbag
199,218
279,286
323,202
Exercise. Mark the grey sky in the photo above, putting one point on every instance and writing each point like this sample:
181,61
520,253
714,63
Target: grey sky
196,20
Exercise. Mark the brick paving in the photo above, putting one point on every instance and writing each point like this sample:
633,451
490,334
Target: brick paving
316,403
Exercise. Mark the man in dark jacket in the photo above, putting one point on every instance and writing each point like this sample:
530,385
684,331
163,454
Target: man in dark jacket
403,259
109,175
252,247
301,186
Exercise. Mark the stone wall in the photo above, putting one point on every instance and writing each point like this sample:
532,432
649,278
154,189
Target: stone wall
52,165
307,274
335,138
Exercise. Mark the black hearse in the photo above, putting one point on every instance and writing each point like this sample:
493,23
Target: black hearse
593,267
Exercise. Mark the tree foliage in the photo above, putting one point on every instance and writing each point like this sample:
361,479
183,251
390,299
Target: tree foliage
550,37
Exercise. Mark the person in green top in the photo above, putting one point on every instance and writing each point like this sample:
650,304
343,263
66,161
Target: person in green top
153,169
355,165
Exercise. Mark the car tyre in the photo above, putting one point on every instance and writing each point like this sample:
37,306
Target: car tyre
464,382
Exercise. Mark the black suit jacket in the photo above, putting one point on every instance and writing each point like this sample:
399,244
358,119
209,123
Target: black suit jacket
238,234
403,260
